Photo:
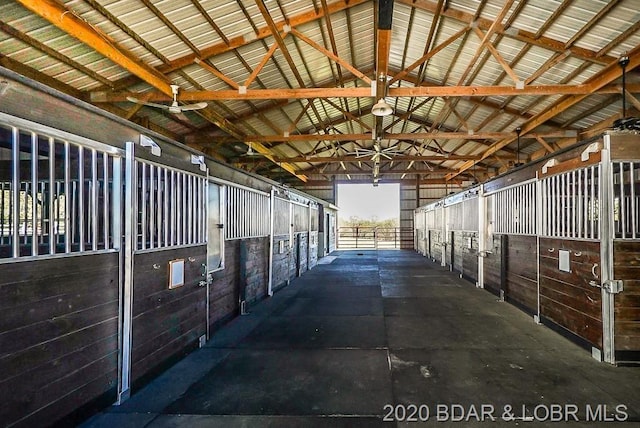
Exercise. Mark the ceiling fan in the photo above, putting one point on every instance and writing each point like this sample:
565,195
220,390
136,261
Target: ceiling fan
377,152
249,152
174,107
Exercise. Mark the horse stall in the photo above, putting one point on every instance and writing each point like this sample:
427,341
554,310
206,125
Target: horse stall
557,238
462,229
121,251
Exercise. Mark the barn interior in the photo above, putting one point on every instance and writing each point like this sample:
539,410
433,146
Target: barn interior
169,178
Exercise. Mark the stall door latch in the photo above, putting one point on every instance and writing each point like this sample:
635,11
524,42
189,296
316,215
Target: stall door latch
613,286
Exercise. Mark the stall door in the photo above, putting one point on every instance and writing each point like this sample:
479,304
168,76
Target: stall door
165,260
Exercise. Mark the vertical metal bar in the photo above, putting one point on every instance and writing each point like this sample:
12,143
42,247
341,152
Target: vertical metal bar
271,240
57,213
15,193
186,194
152,206
34,195
585,202
183,197
159,205
632,200
563,200
593,202
201,208
142,223
181,207
533,208
94,200
546,193
190,209
68,232
606,195
572,215
557,200
188,214
116,204
622,209
542,201
106,202
204,207
80,188
166,217
126,296
579,204
172,210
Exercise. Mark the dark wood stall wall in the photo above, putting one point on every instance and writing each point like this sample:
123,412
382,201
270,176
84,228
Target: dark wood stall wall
166,322
448,255
313,249
302,253
470,256
521,282
224,291
492,263
626,266
58,336
465,259
245,277
282,262
566,298
458,250
436,237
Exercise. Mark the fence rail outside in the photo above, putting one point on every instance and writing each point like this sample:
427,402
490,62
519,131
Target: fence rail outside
374,238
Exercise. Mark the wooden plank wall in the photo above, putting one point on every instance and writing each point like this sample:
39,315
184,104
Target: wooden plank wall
166,323
566,298
522,271
224,293
58,336
626,266
313,250
470,256
257,269
458,251
436,245
448,255
302,240
282,262
493,266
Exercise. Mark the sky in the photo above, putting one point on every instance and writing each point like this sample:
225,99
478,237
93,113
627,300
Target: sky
365,201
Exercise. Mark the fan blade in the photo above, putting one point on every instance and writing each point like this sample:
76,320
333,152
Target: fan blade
196,106
148,103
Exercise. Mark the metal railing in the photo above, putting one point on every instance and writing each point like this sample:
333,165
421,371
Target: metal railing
374,238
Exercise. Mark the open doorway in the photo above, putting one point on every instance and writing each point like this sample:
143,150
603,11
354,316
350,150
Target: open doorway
369,216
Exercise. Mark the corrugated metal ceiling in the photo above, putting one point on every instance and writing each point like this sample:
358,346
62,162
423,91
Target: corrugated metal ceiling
548,43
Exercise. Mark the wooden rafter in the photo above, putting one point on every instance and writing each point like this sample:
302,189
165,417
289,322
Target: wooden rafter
331,56
420,91
68,22
598,81
514,33
401,75
408,136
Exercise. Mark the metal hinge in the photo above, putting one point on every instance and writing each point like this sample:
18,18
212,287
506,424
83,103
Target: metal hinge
613,286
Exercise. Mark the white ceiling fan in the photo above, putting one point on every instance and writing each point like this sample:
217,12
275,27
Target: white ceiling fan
250,152
377,152
174,107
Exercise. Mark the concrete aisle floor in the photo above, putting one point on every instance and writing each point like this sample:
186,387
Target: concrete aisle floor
374,329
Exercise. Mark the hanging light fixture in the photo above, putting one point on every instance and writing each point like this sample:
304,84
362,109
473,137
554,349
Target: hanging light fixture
381,108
